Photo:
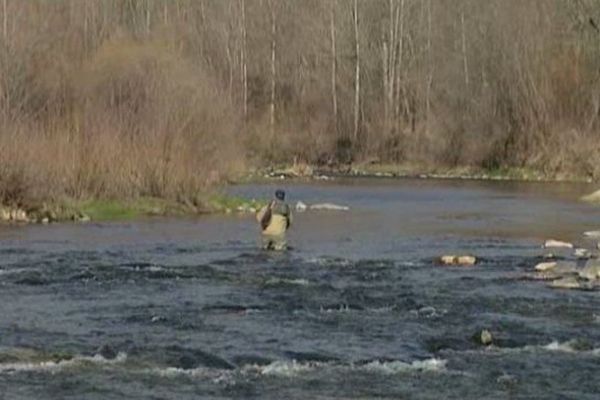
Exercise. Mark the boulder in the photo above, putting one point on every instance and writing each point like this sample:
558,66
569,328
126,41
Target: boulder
4,214
557,244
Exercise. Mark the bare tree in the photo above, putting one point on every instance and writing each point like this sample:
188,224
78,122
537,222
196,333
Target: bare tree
332,31
357,71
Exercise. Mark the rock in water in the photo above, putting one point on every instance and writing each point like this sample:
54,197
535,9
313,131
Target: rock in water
582,253
545,266
300,206
592,234
551,243
484,337
591,271
107,352
566,283
447,260
592,197
464,260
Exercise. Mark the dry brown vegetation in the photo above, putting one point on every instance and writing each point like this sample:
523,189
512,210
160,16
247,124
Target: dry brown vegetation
129,98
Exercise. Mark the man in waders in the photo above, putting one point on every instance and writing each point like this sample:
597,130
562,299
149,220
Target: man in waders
275,219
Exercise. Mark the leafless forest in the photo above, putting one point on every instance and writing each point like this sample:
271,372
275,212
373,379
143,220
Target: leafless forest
104,98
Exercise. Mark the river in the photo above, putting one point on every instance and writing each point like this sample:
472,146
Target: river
187,308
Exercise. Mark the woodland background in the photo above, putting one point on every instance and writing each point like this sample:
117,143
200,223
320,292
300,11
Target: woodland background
126,98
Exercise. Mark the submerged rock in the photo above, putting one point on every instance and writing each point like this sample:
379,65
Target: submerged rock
507,380
108,352
557,244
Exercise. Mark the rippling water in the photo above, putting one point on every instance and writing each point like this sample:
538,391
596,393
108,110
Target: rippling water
190,308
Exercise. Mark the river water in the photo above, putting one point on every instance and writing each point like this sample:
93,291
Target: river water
190,308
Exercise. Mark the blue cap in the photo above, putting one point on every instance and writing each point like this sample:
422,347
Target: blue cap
280,194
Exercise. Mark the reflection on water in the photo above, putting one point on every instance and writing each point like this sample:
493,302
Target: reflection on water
190,308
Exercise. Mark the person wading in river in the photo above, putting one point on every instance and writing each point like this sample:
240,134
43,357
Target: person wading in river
275,219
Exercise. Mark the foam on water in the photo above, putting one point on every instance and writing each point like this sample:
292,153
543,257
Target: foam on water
570,346
394,367
54,366
286,368
286,281
199,372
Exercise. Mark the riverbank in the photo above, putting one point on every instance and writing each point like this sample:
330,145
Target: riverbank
218,202
408,170
123,209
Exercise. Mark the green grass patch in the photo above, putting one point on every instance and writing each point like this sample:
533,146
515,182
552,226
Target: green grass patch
110,210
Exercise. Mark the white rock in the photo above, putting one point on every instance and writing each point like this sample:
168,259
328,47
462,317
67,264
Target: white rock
566,283
551,243
458,260
447,260
592,234
466,260
300,206
329,207
545,266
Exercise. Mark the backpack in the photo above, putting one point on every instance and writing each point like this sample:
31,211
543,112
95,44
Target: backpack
266,218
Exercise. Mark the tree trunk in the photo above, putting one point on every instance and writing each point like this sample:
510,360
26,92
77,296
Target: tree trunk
429,70
464,49
333,66
356,73
5,20
273,71
399,90
244,61
148,17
